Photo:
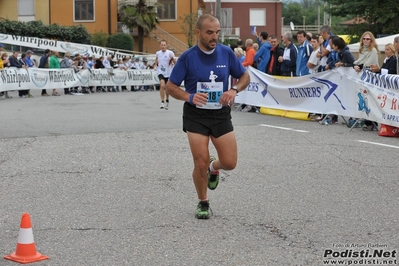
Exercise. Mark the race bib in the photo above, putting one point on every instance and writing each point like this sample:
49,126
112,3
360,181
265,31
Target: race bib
214,91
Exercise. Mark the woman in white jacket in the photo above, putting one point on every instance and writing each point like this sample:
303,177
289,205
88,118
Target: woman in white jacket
368,55
368,52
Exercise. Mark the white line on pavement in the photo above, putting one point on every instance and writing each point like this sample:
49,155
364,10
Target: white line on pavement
380,144
284,128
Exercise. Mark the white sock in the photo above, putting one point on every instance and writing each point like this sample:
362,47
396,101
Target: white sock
211,167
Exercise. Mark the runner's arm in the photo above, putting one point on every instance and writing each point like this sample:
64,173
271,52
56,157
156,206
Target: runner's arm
179,94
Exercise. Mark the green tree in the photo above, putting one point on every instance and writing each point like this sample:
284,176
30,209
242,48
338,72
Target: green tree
139,14
99,39
381,15
77,34
188,27
121,41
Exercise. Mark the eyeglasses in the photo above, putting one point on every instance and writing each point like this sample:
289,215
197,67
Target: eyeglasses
366,39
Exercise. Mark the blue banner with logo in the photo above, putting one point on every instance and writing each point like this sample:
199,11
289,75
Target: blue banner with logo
342,91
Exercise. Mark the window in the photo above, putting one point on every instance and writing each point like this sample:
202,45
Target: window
84,10
26,7
257,17
167,10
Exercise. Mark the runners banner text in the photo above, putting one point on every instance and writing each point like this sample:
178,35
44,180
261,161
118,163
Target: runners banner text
342,92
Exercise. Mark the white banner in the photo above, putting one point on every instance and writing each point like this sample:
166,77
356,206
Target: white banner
63,47
343,92
40,78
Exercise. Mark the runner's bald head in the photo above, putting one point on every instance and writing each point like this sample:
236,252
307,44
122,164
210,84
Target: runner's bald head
204,17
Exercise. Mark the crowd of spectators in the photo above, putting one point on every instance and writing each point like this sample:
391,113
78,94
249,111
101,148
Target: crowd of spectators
313,53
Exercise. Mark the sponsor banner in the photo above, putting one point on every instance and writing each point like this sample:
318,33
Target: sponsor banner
342,92
63,47
117,77
39,78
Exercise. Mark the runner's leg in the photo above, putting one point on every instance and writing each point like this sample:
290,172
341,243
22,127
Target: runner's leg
162,89
226,147
199,145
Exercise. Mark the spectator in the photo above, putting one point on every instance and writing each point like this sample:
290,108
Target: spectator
4,62
249,61
396,45
15,62
332,57
136,64
368,52
240,44
345,57
55,64
288,60
314,61
262,56
88,64
99,65
29,61
44,63
145,65
304,52
233,46
274,66
368,55
66,63
256,47
239,52
108,64
126,65
22,61
325,48
390,61
249,53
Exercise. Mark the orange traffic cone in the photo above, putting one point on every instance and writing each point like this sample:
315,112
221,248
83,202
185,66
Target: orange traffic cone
26,249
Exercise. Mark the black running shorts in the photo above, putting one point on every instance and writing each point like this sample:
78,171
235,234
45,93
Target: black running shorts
160,76
207,122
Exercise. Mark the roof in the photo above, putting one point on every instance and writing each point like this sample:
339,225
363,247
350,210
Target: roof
354,21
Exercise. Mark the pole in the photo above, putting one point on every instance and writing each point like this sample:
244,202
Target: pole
218,7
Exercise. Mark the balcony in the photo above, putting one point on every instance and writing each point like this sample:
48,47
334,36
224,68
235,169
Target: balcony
229,34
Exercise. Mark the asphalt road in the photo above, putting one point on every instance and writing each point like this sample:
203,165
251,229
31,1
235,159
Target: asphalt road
106,179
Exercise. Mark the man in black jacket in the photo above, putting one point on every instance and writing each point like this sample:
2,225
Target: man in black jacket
273,67
44,63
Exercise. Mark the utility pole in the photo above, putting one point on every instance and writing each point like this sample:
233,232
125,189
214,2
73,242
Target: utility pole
218,16
218,7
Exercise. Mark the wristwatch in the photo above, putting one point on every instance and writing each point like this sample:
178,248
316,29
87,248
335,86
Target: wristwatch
235,87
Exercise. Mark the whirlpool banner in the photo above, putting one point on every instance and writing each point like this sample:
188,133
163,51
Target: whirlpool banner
39,78
60,46
342,92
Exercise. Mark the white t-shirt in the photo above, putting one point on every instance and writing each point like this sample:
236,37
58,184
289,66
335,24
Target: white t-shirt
164,62
323,60
314,61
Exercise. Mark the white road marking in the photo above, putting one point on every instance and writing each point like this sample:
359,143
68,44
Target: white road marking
380,144
284,128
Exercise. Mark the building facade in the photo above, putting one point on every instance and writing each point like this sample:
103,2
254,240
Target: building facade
25,10
95,15
238,16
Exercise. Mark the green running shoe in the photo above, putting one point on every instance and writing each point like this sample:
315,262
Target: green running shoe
213,177
203,210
